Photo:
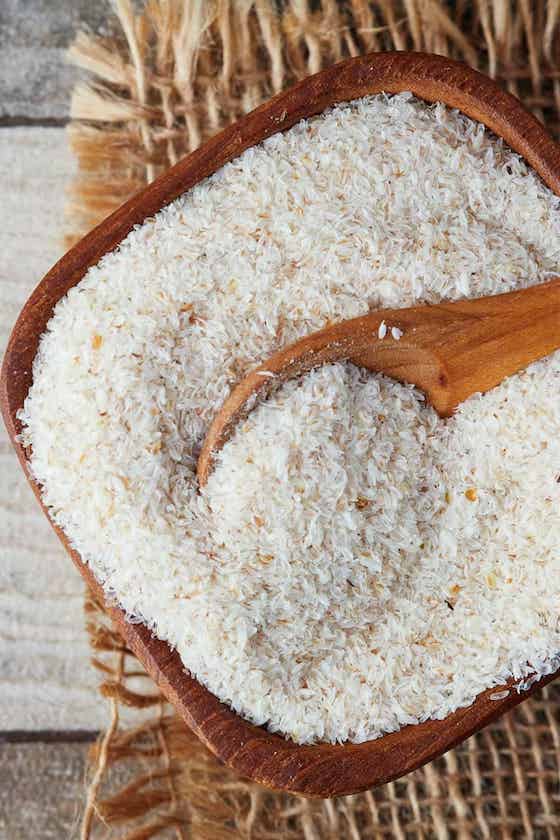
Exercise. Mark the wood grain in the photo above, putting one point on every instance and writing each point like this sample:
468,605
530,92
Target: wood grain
320,770
42,789
35,78
46,681
450,351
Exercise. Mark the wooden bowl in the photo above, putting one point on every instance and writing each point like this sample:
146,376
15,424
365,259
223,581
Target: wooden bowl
323,769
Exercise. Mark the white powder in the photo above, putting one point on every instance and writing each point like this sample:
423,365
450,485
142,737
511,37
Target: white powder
373,566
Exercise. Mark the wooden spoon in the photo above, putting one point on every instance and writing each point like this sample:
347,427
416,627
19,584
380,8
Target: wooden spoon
450,351
253,751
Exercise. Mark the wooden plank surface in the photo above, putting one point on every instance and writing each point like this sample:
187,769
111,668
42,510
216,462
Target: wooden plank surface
41,790
35,80
46,681
48,699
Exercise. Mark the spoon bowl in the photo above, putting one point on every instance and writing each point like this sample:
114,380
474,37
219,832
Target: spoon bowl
322,769
450,351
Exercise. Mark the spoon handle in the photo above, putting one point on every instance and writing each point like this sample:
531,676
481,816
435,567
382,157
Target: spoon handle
453,350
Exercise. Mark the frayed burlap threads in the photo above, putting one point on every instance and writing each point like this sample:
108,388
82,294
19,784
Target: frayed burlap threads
175,73
167,78
503,783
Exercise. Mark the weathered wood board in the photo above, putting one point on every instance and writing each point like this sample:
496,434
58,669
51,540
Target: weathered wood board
35,79
42,788
46,681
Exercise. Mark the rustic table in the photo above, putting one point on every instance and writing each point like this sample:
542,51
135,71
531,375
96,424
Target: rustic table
49,708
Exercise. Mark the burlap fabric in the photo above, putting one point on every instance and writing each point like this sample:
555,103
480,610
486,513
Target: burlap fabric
171,73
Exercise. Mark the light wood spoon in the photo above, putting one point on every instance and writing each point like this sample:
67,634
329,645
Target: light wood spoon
450,351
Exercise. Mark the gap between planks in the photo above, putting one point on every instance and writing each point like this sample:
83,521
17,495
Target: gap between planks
49,736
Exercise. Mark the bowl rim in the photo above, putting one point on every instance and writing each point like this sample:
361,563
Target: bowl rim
318,770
